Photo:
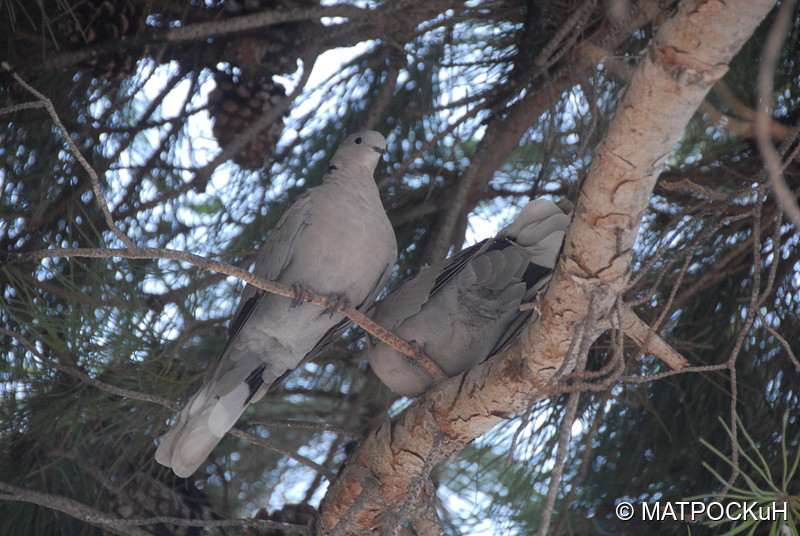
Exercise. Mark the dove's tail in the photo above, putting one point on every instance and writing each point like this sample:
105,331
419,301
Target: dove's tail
208,416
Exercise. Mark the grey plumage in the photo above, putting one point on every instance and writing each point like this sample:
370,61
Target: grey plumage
464,309
335,239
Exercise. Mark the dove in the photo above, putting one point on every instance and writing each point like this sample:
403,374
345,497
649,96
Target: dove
335,239
466,308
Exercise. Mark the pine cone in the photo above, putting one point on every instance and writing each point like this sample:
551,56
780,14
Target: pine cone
295,514
234,105
270,52
102,21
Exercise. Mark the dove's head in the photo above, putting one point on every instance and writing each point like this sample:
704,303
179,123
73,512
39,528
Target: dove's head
362,149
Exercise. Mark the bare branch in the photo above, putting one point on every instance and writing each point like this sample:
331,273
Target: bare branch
73,148
259,20
397,60
636,328
320,426
270,286
645,336
128,526
783,342
82,376
561,458
241,434
155,399
661,375
69,507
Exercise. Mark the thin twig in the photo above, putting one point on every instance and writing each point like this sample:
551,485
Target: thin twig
587,460
661,375
645,336
259,20
32,105
241,434
270,286
571,27
155,399
786,346
561,459
749,320
98,384
564,436
98,193
320,426
127,526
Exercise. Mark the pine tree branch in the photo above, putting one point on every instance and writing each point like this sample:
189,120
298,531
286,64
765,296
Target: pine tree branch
128,527
643,335
650,342
397,60
204,263
82,376
261,20
261,442
73,148
319,426
505,130
564,435
69,507
161,401
688,55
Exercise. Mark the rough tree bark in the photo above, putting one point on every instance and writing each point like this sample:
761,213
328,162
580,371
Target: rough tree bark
689,54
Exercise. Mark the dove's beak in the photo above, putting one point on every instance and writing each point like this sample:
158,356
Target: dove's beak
378,150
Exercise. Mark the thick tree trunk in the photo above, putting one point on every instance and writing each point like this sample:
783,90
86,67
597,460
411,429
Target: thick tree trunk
689,54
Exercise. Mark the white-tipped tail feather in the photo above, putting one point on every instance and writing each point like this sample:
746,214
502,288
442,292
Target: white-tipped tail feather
201,425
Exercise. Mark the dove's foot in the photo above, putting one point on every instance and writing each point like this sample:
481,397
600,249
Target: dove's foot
421,359
301,294
337,303
419,347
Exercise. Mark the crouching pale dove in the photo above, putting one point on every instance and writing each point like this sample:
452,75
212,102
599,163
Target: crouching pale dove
464,309
335,239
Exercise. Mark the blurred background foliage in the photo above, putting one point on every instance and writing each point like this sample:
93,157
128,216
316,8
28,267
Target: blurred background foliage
203,127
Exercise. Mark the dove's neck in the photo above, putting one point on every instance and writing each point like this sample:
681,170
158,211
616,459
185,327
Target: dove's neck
358,180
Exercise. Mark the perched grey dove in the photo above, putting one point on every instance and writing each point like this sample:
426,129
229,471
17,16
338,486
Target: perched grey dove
464,309
335,239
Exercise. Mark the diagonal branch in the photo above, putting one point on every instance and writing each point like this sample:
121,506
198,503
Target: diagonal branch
689,54
650,342
643,335
169,404
204,263
73,148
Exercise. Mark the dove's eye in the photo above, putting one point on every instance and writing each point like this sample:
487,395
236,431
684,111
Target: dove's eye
358,140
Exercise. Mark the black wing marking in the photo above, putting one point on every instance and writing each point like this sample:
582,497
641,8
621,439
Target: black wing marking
457,263
254,381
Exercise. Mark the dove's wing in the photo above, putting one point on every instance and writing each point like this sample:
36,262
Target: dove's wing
472,307
400,305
